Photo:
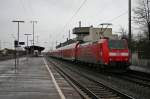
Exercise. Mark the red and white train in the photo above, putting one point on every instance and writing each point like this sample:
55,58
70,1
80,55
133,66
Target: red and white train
104,52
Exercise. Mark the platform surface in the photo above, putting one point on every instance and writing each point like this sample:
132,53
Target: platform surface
32,80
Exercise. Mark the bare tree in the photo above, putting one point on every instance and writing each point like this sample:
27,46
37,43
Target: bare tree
142,15
123,32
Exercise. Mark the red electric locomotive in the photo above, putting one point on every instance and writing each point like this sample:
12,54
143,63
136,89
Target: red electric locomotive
105,52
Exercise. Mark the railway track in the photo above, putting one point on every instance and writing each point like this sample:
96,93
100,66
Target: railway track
94,89
135,77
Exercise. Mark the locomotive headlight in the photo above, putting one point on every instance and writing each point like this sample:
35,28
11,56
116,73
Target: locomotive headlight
112,54
124,54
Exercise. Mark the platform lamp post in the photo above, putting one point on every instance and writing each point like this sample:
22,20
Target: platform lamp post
27,44
17,56
33,22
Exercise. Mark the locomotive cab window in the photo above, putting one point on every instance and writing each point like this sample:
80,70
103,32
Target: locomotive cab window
117,44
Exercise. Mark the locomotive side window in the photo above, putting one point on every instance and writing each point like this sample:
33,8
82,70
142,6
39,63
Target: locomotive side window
117,44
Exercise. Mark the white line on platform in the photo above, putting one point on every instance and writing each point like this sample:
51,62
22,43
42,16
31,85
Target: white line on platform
54,81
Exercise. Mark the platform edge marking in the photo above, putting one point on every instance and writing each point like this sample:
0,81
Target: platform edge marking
54,81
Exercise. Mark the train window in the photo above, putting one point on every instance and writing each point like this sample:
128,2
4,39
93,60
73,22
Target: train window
117,44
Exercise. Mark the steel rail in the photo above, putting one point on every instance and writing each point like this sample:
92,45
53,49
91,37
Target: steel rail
92,90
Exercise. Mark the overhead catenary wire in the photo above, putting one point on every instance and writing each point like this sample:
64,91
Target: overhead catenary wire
75,13
115,18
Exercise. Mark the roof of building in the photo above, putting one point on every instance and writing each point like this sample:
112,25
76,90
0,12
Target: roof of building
81,30
39,48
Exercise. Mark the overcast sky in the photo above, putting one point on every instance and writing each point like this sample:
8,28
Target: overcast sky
55,18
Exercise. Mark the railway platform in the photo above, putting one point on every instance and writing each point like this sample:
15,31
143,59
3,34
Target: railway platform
140,69
33,79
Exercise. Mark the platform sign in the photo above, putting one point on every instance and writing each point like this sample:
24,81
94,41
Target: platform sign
15,43
21,43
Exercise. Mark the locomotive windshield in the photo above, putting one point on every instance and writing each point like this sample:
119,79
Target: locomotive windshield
117,44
